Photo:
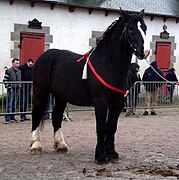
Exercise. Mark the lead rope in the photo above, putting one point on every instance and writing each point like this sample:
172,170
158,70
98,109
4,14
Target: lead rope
159,73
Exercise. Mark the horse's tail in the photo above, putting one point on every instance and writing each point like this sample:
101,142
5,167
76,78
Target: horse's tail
42,86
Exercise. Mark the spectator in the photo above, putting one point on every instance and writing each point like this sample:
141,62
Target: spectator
12,74
171,76
134,89
26,75
151,75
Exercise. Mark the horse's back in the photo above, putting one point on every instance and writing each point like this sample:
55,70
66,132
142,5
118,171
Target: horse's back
50,60
55,55
58,72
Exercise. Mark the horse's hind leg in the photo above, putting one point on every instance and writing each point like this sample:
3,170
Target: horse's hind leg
40,101
57,116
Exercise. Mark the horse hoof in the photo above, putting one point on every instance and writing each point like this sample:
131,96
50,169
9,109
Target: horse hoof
112,156
60,147
101,158
101,161
36,147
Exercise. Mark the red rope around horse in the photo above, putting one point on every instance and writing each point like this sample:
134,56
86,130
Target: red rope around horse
98,76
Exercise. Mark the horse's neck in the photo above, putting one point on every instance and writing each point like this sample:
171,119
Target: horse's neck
115,48
114,55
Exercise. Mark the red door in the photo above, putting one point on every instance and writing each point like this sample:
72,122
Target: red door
163,53
32,46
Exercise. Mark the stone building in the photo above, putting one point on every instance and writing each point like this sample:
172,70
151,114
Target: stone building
29,27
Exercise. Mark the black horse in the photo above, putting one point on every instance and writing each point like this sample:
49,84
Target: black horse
60,72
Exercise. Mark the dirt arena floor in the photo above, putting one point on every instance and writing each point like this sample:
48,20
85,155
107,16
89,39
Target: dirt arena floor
148,148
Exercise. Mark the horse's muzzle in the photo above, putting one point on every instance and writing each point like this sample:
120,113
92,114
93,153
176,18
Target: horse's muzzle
143,56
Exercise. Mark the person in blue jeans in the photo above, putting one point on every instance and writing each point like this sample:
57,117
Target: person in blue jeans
26,77
12,74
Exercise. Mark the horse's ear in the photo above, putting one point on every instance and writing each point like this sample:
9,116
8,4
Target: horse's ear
141,14
143,26
124,15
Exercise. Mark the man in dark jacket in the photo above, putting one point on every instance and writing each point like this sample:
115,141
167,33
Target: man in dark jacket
171,76
12,74
26,76
151,75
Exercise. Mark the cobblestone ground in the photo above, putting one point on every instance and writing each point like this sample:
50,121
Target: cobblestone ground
148,148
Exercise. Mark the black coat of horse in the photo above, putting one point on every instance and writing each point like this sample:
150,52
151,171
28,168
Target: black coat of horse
58,72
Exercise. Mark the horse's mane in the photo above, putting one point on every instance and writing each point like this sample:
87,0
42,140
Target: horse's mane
109,29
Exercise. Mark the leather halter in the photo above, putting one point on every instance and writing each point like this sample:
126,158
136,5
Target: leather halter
125,31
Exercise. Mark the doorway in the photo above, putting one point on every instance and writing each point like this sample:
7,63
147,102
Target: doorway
32,45
163,54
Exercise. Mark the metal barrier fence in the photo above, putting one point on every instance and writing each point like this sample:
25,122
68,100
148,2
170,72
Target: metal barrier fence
164,98
16,97
167,95
24,94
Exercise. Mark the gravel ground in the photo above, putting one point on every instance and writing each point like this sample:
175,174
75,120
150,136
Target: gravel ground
148,149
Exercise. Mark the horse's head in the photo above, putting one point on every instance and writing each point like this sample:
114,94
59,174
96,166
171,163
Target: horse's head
133,33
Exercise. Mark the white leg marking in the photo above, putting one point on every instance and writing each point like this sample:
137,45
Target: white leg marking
59,142
35,135
35,141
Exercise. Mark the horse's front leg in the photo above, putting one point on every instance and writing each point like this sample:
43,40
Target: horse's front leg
57,116
101,114
113,115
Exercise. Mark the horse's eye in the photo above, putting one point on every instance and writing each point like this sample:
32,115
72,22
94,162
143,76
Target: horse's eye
131,29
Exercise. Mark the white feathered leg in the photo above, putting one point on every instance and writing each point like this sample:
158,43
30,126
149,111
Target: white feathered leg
59,142
35,145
